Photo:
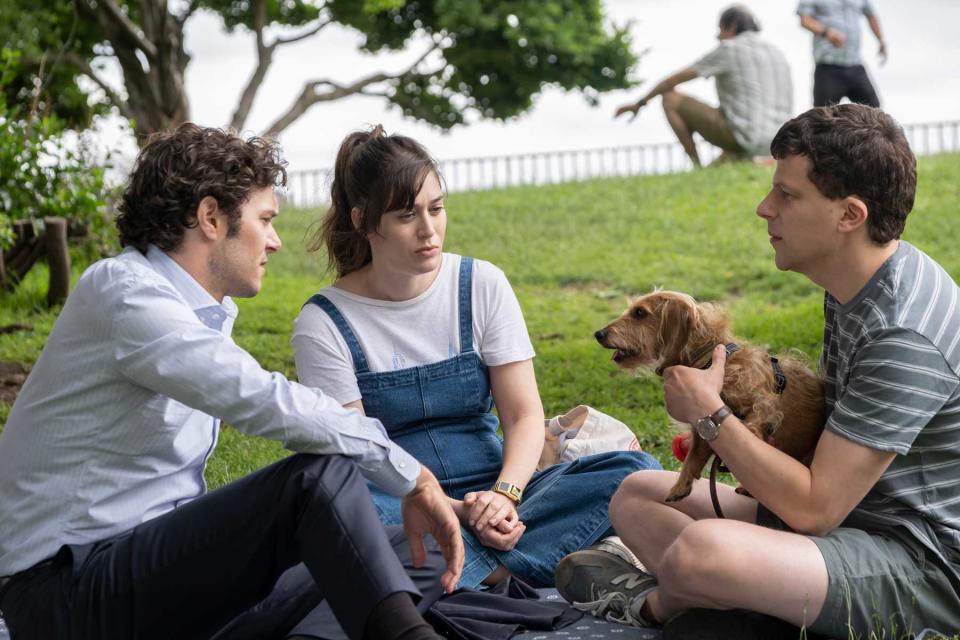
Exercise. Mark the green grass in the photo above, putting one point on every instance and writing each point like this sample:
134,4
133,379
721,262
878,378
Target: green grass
575,254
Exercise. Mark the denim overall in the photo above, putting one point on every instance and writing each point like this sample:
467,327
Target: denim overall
441,414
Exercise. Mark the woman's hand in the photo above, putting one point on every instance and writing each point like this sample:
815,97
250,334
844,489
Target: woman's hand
503,536
489,509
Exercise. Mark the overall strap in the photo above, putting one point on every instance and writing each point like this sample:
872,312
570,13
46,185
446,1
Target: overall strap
359,361
466,305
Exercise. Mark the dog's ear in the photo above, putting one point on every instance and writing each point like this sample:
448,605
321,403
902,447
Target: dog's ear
678,320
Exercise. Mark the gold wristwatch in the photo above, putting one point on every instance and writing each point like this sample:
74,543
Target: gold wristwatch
512,491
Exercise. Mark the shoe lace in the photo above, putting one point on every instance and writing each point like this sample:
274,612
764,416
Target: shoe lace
615,606
608,605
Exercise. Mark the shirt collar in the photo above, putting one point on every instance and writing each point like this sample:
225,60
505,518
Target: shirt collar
186,285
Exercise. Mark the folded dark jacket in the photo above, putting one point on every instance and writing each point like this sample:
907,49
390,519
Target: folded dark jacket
498,613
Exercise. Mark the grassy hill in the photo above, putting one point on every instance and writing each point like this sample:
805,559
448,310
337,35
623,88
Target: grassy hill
575,254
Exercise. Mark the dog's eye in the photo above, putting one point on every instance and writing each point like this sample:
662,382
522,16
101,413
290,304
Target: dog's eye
639,313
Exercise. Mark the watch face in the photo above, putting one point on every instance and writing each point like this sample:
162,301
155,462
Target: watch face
707,428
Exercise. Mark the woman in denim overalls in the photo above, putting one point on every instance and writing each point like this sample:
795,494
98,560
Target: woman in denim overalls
384,235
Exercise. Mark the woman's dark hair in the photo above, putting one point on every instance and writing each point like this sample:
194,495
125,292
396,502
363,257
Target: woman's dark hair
177,169
740,18
374,173
856,150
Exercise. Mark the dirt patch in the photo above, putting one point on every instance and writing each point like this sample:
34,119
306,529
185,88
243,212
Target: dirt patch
12,377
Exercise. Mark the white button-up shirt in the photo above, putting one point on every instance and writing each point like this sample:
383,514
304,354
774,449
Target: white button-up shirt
116,420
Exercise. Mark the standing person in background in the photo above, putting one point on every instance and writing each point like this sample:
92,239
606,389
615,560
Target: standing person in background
839,72
754,90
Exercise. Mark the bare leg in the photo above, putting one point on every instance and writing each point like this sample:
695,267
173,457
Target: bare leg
702,561
671,104
687,116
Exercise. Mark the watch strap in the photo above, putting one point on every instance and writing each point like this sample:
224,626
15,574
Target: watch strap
720,414
512,491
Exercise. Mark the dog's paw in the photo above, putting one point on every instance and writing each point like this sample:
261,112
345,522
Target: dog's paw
678,493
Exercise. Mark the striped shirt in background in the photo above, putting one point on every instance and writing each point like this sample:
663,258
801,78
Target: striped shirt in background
891,358
753,86
840,15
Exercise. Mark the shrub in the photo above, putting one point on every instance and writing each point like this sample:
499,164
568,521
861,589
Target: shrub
43,173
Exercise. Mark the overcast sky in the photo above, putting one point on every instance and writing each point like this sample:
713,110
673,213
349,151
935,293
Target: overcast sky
919,83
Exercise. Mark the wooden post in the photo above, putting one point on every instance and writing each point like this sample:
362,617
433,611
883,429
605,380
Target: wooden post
58,257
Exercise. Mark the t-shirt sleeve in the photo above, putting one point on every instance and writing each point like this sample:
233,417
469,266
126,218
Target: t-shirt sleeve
498,324
322,357
806,8
898,382
867,8
714,63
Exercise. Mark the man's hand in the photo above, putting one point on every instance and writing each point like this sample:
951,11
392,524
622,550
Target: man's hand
694,393
633,107
882,52
836,38
427,510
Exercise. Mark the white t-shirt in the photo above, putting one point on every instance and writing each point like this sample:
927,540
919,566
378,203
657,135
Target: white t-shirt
411,333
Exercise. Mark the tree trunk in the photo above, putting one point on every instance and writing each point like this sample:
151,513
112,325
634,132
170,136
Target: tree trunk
58,258
152,59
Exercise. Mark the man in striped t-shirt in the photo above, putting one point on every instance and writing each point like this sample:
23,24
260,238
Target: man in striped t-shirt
753,88
867,539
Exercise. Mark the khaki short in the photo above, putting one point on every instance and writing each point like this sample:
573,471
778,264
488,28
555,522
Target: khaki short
710,123
881,585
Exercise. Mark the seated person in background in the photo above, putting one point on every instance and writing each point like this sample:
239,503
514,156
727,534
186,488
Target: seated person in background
429,342
753,86
106,526
866,540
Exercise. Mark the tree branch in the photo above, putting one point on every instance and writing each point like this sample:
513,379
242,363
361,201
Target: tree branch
191,8
87,70
264,59
113,11
309,96
310,32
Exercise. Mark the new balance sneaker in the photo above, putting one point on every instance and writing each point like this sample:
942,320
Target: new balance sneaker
603,585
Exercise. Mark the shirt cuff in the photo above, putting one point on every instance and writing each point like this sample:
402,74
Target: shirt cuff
396,474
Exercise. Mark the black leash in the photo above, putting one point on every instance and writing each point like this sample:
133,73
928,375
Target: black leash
780,383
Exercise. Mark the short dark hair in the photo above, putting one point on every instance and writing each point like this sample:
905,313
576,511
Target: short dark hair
740,18
374,173
856,150
175,170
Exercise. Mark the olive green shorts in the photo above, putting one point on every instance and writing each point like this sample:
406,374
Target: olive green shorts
886,586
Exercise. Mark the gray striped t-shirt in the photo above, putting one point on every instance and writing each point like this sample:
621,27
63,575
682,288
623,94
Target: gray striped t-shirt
891,358
753,86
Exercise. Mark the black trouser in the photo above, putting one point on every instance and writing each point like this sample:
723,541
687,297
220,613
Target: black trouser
833,82
227,565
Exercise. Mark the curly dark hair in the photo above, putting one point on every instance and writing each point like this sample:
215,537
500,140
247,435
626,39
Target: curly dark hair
856,150
177,169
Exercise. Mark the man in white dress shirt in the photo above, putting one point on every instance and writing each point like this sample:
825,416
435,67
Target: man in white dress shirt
106,527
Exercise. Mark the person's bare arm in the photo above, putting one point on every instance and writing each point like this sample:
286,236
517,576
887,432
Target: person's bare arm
874,23
817,28
668,83
514,389
811,500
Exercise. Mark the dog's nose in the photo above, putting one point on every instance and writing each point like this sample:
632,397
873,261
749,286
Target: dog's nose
600,335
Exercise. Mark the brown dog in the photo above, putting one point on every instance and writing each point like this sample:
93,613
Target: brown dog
665,328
